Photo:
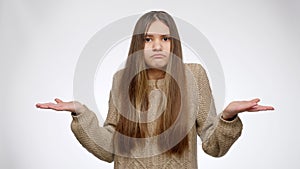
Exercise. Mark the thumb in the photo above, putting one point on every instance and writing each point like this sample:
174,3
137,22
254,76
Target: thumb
256,100
58,100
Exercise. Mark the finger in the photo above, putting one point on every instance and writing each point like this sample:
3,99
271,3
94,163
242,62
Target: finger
37,105
260,108
58,100
271,108
267,108
42,105
250,104
48,106
55,107
256,100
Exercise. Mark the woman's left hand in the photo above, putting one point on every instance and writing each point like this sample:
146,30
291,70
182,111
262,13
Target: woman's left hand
241,106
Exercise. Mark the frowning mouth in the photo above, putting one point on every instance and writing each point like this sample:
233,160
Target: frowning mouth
158,55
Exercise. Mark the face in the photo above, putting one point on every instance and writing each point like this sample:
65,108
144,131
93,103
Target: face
157,45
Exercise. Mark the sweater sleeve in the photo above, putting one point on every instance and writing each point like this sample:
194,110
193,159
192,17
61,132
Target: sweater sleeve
217,134
97,140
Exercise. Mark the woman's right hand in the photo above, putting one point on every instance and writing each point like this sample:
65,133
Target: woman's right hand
71,106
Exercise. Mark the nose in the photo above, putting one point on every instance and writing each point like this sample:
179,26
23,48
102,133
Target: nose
157,46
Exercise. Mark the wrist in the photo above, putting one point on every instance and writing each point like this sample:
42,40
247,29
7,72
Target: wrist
78,108
227,117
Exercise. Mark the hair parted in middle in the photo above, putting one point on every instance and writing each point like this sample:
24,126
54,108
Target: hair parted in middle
173,118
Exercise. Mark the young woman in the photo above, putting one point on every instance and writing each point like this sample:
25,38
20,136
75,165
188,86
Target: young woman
157,106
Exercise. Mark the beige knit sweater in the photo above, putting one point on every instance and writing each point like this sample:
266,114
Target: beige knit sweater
217,135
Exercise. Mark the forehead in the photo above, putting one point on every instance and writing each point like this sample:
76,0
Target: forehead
158,27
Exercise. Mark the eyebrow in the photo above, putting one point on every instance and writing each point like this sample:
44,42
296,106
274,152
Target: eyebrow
152,34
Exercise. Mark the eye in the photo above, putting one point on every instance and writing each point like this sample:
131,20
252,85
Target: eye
165,38
147,39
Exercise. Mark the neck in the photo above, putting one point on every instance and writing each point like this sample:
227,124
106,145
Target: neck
155,74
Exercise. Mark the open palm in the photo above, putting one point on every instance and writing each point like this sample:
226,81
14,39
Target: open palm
71,106
236,107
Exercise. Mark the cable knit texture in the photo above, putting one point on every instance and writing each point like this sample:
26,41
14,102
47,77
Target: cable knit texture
217,135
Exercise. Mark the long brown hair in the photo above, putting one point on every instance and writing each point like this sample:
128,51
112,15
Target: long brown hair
138,91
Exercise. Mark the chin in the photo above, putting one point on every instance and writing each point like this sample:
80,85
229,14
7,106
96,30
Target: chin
158,66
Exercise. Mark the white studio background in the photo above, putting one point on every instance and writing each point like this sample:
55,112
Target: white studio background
40,41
